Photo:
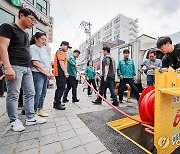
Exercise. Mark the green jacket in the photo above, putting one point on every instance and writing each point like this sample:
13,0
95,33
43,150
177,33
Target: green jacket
126,68
71,66
90,72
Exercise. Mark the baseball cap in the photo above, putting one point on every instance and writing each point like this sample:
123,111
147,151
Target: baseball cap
66,43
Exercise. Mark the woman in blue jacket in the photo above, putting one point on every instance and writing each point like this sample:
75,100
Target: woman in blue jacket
90,76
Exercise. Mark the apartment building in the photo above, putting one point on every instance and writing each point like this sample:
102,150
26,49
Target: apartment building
119,28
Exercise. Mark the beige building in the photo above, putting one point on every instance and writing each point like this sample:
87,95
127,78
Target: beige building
9,13
119,28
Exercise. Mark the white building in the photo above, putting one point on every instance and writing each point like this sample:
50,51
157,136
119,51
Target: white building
120,27
9,13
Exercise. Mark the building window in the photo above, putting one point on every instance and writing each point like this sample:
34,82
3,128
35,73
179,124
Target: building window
39,30
6,17
31,1
42,6
30,32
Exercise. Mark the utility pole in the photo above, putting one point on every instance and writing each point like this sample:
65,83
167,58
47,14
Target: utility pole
87,30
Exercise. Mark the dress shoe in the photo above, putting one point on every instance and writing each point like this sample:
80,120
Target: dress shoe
97,101
65,101
115,103
74,101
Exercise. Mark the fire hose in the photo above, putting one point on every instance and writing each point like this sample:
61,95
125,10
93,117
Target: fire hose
110,104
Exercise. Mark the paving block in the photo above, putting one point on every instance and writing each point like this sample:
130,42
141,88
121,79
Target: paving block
8,140
67,135
29,136
71,143
95,147
49,139
78,125
25,145
77,150
52,148
82,131
64,128
88,138
48,131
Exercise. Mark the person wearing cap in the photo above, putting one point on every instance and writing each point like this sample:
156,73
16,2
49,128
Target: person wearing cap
61,74
172,53
71,80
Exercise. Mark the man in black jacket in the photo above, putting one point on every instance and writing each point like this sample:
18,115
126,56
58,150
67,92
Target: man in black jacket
172,53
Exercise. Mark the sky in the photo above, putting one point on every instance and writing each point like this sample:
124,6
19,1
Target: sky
156,17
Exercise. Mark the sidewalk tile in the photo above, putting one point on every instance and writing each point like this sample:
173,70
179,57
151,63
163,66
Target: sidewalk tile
71,143
47,125
62,123
88,138
95,147
82,131
78,125
49,139
29,151
8,140
72,121
51,148
64,128
77,150
29,136
105,152
25,145
67,134
48,131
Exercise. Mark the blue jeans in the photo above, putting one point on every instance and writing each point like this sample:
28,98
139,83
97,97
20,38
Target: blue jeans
40,85
23,78
150,80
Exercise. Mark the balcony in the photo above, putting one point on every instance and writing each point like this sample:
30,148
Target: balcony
134,24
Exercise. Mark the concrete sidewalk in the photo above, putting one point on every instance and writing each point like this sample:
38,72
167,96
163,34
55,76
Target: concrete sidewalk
64,132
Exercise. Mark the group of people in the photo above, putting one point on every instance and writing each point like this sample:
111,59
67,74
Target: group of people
26,66
65,72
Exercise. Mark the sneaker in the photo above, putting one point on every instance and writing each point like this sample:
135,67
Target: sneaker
77,100
65,101
17,126
35,120
41,113
59,106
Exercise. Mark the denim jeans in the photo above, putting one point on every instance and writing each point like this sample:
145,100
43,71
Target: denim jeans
40,85
109,83
150,80
23,78
71,83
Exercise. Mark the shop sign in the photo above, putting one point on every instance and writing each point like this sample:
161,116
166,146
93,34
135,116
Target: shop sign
40,17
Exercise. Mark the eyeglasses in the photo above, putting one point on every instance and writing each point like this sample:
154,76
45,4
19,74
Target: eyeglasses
32,19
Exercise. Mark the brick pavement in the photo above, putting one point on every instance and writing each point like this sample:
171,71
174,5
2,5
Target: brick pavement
64,132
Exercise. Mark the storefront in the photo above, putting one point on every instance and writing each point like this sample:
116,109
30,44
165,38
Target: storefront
9,13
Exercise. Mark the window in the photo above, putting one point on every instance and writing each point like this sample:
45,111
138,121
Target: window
39,30
6,17
42,6
30,32
31,1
